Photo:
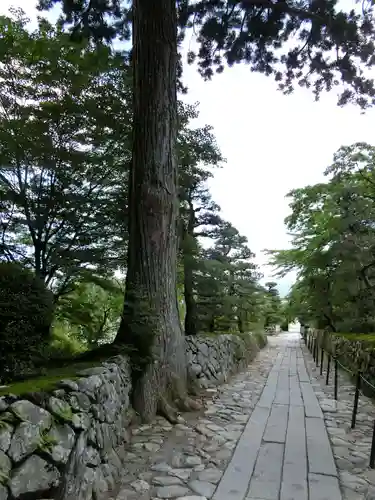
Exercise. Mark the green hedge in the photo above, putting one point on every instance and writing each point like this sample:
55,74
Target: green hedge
26,313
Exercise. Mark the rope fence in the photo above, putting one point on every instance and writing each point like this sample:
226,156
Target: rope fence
319,353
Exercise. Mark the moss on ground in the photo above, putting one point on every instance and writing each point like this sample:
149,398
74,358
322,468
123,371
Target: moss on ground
363,337
45,382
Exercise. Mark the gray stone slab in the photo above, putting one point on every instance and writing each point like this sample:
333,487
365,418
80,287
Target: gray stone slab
277,424
266,480
293,363
268,394
301,369
282,391
294,491
324,487
294,481
319,450
310,401
295,457
295,391
236,478
266,490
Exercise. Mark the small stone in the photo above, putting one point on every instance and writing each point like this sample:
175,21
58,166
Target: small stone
151,447
353,482
161,467
5,436
166,480
61,409
79,401
28,412
91,456
192,460
90,385
68,384
203,488
172,491
369,475
146,476
125,494
3,404
183,474
81,421
63,438
177,460
25,440
210,475
5,466
140,486
35,476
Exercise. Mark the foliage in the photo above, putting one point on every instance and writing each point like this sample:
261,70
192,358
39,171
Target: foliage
333,245
316,45
26,311
91,313
64,129
226,283
313,44
273,305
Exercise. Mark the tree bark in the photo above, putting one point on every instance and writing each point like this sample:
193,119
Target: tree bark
188,259
150,322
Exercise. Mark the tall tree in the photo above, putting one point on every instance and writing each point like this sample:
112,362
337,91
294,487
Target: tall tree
150,320
64,130
226,282
334,244
197,153
325,48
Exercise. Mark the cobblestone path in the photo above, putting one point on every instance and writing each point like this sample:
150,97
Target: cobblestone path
262,436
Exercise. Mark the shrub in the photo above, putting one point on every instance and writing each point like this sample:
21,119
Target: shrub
26,312
260,339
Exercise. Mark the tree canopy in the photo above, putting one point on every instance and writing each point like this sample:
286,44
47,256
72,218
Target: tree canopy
333,245
312,44
65,135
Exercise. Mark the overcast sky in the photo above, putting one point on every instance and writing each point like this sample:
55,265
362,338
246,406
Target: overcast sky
273,143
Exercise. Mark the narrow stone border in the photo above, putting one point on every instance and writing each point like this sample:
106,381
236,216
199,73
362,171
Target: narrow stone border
351,448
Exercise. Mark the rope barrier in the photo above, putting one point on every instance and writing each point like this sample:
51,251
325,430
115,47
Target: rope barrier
344,367
368,383
312,343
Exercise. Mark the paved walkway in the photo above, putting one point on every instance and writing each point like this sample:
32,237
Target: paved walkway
284,452
261,436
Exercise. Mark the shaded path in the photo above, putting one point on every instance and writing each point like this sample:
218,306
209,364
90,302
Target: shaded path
261,436
284,452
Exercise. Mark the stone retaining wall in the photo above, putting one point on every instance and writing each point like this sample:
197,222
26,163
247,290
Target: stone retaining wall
211,360
66,444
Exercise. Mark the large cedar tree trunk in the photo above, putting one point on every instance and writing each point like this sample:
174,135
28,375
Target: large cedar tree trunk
150,322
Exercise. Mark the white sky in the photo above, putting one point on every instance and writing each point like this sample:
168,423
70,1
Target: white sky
273,143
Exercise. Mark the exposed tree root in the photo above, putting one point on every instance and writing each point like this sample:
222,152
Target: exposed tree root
167,411
181,401
188,404
171,413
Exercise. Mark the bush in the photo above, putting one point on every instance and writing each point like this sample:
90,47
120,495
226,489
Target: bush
260,339
26,312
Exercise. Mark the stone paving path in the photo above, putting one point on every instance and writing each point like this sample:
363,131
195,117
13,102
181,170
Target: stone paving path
262,436
284,452
351,447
